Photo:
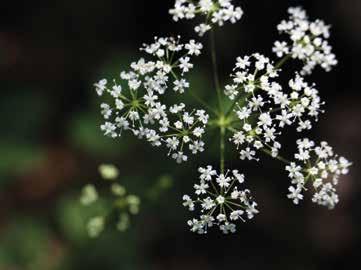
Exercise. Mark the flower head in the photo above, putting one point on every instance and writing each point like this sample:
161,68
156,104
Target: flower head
318,167
221,200
263,107
215,12
138,104
307,41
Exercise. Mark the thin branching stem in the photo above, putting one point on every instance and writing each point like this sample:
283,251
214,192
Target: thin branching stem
222,147
215,69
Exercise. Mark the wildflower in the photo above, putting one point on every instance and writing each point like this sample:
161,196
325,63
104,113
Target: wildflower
95,226
108,171
215,12
319,166
273,107
118,190
261,109
89,195
123,223
307,41
101,86
220,200
139,107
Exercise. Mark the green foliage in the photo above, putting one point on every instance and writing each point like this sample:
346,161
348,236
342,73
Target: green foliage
84,134
27,244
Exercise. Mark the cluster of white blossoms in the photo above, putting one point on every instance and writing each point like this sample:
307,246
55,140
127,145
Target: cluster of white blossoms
264,108
308,41
221,200
260,108
318,166
137,101
215,12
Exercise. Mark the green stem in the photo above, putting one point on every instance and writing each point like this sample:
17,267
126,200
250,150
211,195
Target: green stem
215,70
202,102
197,98
237,98
284,160
283,61
222,147
219,96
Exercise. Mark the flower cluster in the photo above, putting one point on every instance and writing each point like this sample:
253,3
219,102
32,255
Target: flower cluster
215,12
319,166
221,200
308,41
138,105
263,108
304,101
124,204
252,112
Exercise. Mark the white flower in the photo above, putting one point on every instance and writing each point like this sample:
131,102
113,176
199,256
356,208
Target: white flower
106,110
116,91
273,107
198,131
308,41
101,86
202,29
206,173
184,65
179,157
235,215
280,48
95,226
260,109
220,200
180,85
197,146
109,129
188,202
247,154
223,181
238,176
202,116
194,48
217,11
321,168
201,188
227,228
140,108
295,194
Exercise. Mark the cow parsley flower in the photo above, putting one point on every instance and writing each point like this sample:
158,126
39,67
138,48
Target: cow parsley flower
318,167
221,200
264,108
307,41
95,226
215,12
121,203
137,100
259,108
89,195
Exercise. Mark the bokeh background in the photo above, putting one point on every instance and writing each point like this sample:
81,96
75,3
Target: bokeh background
51,52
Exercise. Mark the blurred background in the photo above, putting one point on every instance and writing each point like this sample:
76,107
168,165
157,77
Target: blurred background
51,52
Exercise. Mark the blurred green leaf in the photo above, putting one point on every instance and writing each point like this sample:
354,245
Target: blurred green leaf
17,157
25,244
84,133
23,113
164,183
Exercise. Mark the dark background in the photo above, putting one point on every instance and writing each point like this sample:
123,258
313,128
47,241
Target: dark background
51,52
